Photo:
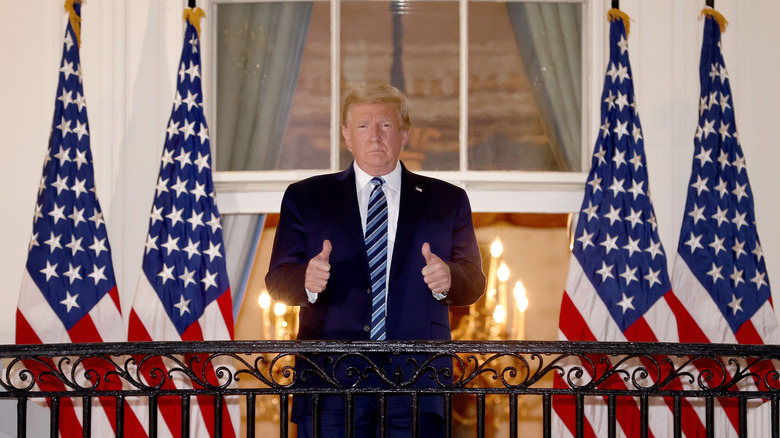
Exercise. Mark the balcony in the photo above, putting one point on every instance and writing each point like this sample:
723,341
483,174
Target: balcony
488,391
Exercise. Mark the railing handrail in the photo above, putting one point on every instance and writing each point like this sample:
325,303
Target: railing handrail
253,370
400,347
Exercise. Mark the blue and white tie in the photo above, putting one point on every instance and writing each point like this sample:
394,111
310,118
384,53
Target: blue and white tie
376,249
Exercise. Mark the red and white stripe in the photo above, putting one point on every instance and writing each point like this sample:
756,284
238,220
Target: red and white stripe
150,322
701,321
700,311
36,323
585,317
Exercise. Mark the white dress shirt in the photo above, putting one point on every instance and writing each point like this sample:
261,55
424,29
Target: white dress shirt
392,189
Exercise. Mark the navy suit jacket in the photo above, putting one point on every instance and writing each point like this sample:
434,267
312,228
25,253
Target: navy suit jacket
326,207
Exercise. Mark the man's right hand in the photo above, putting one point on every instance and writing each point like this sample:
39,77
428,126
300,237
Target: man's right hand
318,270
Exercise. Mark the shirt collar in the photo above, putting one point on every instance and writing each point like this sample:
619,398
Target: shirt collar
392,179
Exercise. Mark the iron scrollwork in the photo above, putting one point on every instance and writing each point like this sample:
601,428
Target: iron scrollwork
244,367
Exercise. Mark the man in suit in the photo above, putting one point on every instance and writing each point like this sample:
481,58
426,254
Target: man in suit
325,259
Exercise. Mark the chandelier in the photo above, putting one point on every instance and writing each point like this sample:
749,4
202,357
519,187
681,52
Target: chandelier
498,313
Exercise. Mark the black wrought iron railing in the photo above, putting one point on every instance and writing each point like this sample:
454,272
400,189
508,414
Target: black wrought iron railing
480,375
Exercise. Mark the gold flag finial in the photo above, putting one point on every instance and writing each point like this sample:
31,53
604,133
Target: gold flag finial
709,12
75,18
193,16
617,14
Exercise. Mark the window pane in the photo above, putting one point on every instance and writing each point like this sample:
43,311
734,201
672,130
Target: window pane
524,102
524,86
273,86
415,47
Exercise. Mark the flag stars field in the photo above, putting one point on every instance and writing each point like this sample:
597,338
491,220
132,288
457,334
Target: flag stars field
719,208
616,233
67,215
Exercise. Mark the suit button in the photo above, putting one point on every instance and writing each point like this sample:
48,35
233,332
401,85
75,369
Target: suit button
366,329
368,291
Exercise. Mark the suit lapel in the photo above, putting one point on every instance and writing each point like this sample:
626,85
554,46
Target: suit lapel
413,195
348,212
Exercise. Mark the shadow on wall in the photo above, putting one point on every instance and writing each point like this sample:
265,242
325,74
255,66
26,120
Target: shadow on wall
37,419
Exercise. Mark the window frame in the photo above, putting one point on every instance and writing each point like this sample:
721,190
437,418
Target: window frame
253,192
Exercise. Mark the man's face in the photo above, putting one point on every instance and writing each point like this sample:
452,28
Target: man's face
373,134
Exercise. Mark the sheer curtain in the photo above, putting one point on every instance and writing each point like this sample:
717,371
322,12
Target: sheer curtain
549,39
241,233
259,53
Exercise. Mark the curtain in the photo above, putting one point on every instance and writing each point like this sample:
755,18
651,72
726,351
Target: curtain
259,52
549,40
241,233
260,46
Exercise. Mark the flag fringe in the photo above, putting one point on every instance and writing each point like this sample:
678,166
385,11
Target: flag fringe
616,14
193,16
709,12
75,19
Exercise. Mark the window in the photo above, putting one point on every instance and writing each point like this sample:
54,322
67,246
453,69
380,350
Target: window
496,92
495,89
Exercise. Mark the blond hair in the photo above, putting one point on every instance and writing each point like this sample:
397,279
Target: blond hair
378,93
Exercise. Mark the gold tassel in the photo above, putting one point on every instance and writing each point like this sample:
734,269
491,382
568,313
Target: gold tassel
75,20
193,16
617,14
709,12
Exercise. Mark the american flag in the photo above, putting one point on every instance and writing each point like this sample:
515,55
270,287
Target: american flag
183,293
68,291
618,280
720,275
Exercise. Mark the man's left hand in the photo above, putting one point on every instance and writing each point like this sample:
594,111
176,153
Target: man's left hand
436,273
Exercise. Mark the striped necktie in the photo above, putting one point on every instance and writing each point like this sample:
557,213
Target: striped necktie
376,249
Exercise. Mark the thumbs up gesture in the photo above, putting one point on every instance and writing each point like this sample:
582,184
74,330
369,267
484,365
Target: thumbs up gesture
436,273
318,269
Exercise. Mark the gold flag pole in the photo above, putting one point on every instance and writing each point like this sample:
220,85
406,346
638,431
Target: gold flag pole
74,17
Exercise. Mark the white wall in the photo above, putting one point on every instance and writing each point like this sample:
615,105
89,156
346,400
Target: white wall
129,54
665,45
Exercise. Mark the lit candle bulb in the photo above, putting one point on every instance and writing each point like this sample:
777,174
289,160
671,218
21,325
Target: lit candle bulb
279,310
503,298
264,300
503,272
499,315
521,298
496,248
